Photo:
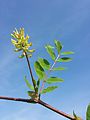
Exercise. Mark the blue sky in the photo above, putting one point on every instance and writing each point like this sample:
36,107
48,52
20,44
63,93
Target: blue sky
45,20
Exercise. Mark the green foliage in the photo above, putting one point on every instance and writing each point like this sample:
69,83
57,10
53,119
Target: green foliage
28,84
64,59
21,56
76,117
50,50
42,66
21,44
54,80
35,83
31,94
74,114
67,53
39,70
58,68
58,45
38,83
44,63
88,113
48,89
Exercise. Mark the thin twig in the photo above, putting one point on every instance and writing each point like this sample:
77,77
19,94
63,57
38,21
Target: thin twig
54,62
30,70
42,87
39,102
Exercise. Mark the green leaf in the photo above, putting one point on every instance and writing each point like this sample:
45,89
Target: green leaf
48,89
31,51
34,82
67,53
29,55
76,117
64,59
38,83
50,46
88,113
28,84
36,90
58,45
74,114
21,56
44,63
59,68
49,49
39,70
54,80
32,94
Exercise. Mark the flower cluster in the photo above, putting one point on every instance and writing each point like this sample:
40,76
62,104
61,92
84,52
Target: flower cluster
21,42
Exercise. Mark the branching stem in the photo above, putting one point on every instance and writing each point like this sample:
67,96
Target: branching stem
41,103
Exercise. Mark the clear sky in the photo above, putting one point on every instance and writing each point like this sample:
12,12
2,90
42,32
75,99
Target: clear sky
45,20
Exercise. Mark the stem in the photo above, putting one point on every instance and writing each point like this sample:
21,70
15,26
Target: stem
18,99
55,110
41,103
30,70
42,86
54,62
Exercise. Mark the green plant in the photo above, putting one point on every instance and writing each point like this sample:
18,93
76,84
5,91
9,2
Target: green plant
88,113
43,68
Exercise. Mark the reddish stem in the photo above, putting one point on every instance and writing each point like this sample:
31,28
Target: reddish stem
39,102
55,110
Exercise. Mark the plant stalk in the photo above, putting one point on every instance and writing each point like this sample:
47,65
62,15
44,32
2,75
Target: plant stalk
17,99
41,103
30,70
55,110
